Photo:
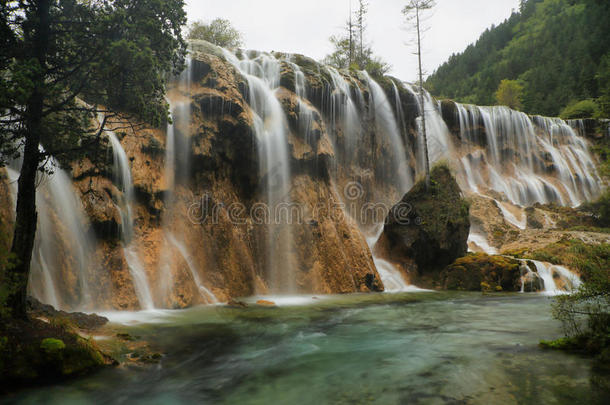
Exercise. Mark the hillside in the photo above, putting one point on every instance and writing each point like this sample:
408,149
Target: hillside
558,49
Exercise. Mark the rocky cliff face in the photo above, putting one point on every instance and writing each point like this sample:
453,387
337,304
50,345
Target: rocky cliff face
275,175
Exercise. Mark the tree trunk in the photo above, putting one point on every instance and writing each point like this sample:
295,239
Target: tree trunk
421,102
26,216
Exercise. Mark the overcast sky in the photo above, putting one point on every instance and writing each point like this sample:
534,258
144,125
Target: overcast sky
304,26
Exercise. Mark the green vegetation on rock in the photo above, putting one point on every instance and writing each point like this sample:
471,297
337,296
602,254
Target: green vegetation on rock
558,49
33,351
585,314
50,345
580,109
482,272
430,226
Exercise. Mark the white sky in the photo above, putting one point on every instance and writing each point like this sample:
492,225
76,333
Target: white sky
304,26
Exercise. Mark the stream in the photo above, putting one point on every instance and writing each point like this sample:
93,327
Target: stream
407,348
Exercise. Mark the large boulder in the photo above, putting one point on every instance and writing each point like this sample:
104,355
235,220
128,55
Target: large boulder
428,228
479,271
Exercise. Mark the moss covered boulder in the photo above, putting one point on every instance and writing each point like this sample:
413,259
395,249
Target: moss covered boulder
429,227
482,272
40,351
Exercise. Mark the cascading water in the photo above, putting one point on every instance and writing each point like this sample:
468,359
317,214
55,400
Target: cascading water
391,277
64,246
344,114
437,133
177,172
125,183
400,113
262,73
386,124
529,159
203,291
549,272
305,111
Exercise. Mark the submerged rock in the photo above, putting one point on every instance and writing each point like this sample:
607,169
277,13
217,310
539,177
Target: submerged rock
265,303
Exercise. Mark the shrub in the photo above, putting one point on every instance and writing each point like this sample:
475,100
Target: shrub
580,109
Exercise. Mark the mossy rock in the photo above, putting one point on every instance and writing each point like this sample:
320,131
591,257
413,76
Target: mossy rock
34,351
482,272
430,226
564,343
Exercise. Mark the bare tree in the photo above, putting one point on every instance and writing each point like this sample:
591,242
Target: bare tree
361,25
350,28
413,12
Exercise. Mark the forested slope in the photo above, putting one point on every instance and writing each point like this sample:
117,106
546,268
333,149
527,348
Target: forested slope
558,49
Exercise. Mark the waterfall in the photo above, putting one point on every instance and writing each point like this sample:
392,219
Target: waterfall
64,248
206,294
306,113
548,273
124,181
386,124
262,73
437,133
528,159
344,114
480,241
177,172
391,277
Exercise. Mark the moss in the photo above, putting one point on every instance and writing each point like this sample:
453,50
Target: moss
575,254
82,356
482,272
519,252
52,346
564,343
430,224
34,351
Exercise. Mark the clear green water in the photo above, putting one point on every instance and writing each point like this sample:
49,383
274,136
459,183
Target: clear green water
413,348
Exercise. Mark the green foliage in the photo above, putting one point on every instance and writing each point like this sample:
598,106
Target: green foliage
113,53
600,209
602,149
351,50
510,93
580,109
563,343
558,49
219,32
585,314
603,82
121,61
